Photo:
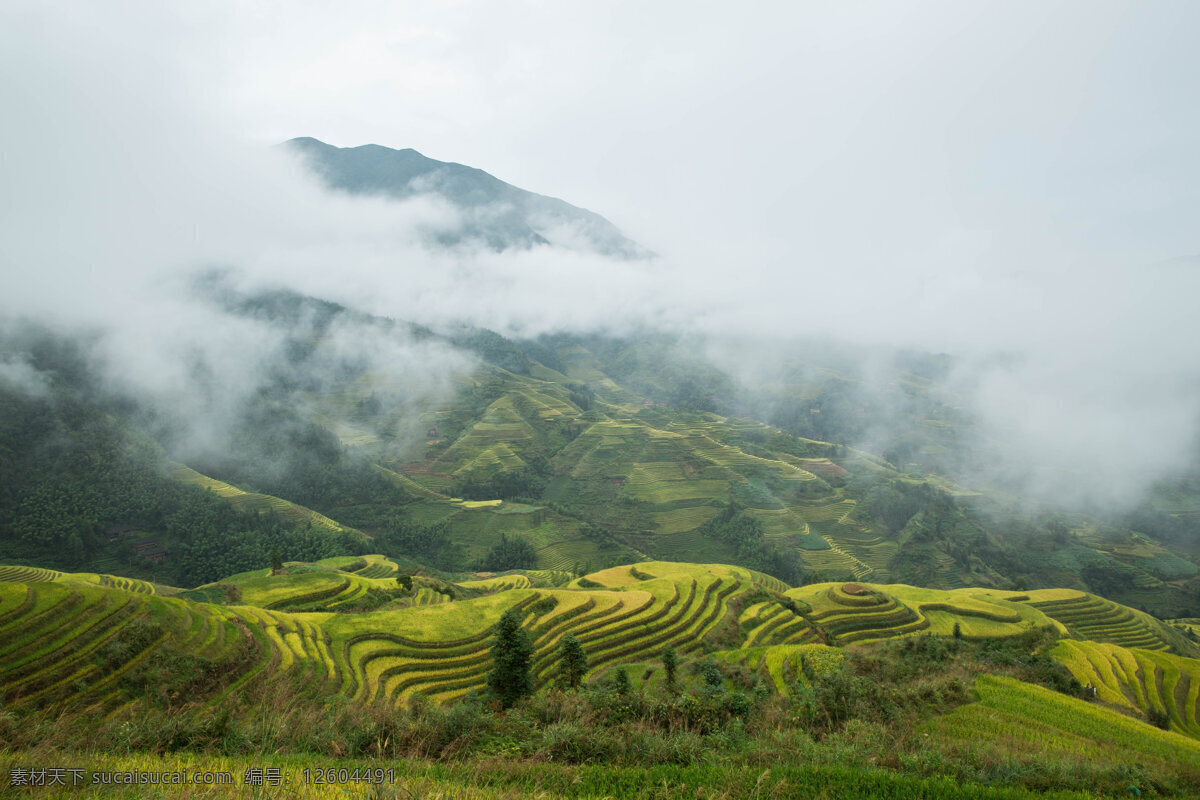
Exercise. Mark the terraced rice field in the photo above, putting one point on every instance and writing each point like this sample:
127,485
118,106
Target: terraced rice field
654,472
499,583
288,640
17,574
546,401
1188,624
770,623
729,456
631,619
27,574
68,643
1028,723
55,634
428,596
249,501
50,629
662,492
845,621
1090,617
848,549
316,590
128,584
830,561
376,567
429,650
835,560
847,613
689,545
828,512
681,520
782,664
680,621
496,438
565,553
548,577
1143,680
496,458
778,522
867,548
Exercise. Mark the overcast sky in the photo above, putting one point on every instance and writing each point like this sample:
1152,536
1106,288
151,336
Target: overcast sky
946,153
839,136
848,130
961,176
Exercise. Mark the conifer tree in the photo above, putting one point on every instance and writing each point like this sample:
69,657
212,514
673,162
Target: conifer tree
621,681
670,663
509,679
572,661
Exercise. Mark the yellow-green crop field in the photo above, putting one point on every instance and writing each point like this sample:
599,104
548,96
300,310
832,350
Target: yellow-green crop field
877,612
498,584
1025,721
55,633
27,574
680,520
1143,680
250,501
1087,616
782,663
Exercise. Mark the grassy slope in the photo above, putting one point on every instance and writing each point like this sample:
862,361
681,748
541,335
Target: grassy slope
424,642
250,501
649,476
500,780
75,642
1141,680
1030,722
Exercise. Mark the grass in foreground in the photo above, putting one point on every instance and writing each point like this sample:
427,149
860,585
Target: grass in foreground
921,717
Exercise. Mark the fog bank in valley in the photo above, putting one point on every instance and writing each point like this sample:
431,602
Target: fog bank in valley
956,205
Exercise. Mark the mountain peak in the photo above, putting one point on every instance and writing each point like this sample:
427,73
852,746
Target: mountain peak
502,215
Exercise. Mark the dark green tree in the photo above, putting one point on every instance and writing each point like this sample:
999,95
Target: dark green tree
670,664
621,681
404,582
509,679
572,661
714,681
276,561
514,553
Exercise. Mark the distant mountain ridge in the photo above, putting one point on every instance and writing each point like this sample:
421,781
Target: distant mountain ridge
500,214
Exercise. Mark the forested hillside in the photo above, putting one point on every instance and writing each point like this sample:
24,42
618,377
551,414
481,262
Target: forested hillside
557,453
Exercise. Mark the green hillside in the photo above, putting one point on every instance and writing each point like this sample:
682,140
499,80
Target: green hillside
1159,685
979,685
252,501
356,629
763,603
562,453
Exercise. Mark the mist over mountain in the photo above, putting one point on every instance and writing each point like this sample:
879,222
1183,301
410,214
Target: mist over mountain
856,452
500,214
1061,389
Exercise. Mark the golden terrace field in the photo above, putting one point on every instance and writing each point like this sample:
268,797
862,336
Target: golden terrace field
140,660
68,637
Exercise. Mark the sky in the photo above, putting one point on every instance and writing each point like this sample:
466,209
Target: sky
974,178
933,126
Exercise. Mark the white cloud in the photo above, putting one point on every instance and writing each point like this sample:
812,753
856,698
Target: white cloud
963,177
